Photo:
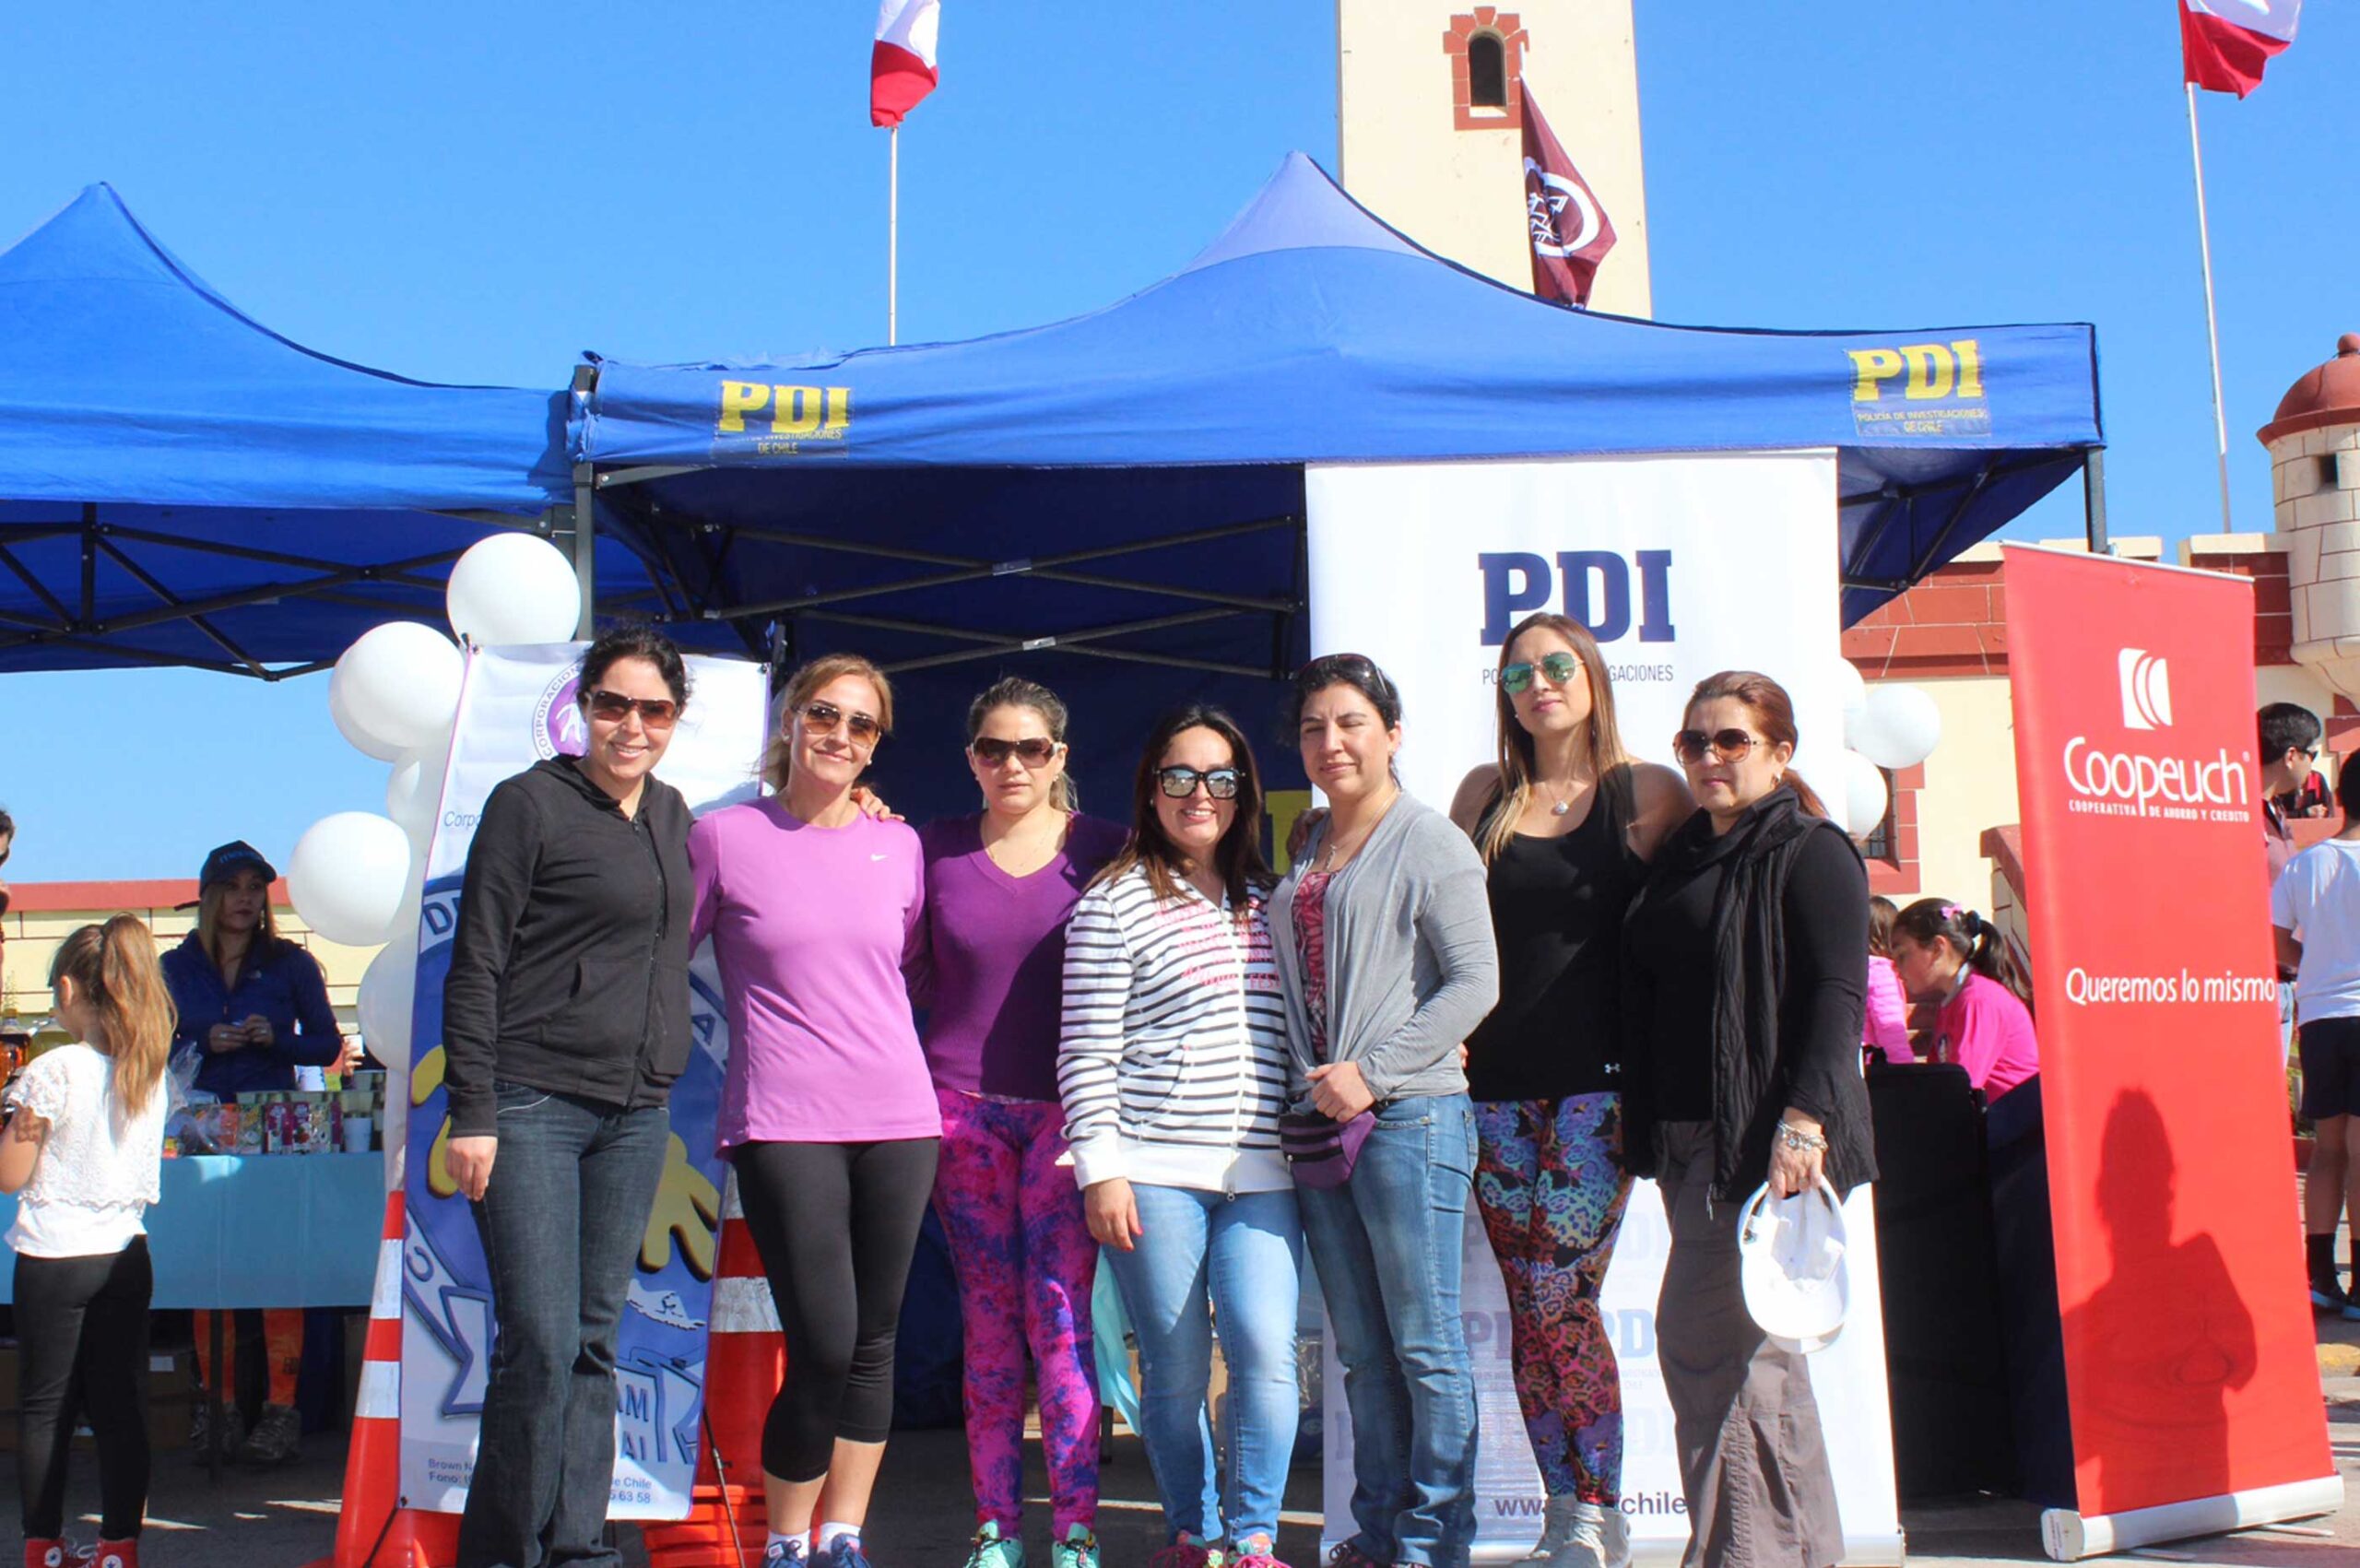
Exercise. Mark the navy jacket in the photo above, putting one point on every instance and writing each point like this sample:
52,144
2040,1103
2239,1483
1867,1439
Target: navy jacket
283,983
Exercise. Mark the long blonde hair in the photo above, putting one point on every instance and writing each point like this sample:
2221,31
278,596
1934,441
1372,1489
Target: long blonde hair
1609,763
778,761
208,924
114,969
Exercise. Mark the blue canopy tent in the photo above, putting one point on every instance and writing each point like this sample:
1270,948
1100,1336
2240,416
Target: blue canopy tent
179,485
1126,487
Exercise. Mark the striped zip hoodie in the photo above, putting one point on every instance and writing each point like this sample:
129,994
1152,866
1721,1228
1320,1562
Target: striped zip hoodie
1172,1059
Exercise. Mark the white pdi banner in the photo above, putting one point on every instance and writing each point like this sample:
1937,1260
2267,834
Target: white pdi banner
1680,567
517,708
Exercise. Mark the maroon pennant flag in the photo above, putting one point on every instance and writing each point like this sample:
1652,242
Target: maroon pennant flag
1571,232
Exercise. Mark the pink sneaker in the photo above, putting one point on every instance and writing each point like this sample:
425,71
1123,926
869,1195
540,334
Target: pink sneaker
1255,1552
1188,1551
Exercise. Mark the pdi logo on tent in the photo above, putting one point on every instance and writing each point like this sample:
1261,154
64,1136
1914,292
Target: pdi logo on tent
2146,688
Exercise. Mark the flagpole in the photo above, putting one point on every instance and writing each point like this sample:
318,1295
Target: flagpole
2212,319
893,244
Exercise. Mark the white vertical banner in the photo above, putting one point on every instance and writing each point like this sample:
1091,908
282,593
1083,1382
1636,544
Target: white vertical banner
1680,566
516,709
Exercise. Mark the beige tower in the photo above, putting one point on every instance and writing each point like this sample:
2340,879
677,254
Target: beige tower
2314,446
1431,137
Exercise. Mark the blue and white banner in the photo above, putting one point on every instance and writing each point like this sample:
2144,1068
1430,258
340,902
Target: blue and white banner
1680,566
517,708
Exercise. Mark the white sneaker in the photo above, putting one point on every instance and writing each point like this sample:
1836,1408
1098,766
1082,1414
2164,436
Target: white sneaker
1583,1535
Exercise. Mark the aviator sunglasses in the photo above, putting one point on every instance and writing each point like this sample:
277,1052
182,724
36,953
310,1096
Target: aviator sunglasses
1726,744
1559,668
1181,782
656,713
1034,751
822,718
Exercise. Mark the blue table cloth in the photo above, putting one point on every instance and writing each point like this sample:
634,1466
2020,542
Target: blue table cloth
261,1230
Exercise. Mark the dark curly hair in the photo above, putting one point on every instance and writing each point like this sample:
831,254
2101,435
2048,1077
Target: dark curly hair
633,640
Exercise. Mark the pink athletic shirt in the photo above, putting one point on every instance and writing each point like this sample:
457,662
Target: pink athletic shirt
811,926
1986,1031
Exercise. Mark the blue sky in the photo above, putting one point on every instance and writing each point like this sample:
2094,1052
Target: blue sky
478,193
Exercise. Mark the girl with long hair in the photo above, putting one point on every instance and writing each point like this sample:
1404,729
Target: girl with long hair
1947,953
1565,823
1887,1025
1387,954
1742,985
82,1149
1173,1066
1000,886
828,1115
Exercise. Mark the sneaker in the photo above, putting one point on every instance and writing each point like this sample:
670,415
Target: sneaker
1349,1556
1079,1550
277,1439
1254,1552
1575,1535
993,1549
1188,1551
200,1424
787,1551
53,1553
117,1554
2327,1296
845,1553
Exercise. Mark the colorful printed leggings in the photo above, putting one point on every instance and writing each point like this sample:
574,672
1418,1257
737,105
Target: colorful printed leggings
1552,1188
1026,1267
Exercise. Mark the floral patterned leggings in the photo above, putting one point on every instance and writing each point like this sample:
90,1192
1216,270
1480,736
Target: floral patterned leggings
1026,1268
1550,1182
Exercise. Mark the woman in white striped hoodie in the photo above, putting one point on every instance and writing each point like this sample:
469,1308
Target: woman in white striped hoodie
1173,1066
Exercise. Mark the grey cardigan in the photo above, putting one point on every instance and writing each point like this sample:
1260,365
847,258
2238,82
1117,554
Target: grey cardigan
1412,964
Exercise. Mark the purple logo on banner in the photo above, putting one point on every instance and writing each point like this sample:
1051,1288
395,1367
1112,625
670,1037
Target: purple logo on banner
559,728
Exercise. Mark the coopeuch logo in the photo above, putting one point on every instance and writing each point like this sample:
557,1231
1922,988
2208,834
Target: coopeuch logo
2146,688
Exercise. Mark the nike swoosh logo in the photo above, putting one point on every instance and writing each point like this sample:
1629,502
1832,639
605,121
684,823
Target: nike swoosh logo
877,857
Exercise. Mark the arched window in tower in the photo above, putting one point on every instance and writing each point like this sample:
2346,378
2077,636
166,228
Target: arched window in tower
1487,72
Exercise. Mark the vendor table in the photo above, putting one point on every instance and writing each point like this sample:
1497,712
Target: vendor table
261,1230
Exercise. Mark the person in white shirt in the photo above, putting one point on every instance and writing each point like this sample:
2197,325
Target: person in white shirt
81,1151
2315,904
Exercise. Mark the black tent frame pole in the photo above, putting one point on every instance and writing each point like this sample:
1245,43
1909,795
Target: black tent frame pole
2093,500
586,520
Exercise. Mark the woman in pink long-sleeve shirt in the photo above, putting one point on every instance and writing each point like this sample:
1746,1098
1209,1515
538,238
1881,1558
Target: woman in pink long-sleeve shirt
1948,953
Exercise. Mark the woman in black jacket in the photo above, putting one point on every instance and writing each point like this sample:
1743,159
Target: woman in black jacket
565,1020
1744,988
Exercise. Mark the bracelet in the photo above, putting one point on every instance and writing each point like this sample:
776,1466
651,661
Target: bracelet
1794,1137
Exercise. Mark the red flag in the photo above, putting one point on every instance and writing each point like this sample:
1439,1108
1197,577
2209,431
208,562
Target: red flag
900,67
1571,232
2225,44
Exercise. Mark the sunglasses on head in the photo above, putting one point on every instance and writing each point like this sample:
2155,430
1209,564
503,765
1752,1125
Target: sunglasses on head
1726,744
1034,750
656,713
822,718
1181,782
1558,668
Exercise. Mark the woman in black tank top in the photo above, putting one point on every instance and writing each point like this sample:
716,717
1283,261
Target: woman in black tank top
1564,821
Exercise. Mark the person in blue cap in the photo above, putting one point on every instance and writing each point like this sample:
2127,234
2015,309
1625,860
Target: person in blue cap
254,1007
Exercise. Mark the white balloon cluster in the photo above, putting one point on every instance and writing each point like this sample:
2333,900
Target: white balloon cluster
1887,726
356,878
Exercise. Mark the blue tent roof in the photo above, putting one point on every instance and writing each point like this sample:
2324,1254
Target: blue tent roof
239,501
1310,331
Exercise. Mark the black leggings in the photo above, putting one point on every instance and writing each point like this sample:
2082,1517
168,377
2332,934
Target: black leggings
836,1225
82,1344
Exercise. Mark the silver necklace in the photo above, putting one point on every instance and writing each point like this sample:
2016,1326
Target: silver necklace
1564,803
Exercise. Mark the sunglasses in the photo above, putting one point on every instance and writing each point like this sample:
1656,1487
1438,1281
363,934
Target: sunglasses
656,713
1558,668
822,718
1034,751
1726,744
1181,782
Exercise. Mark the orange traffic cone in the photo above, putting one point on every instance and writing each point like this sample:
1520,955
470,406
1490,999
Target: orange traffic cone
374,1528
727,1526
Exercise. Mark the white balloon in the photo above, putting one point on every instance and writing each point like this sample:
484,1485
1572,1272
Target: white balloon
1851,688
513,588
347,876
388,989
341,711
1865,796
414,792
1900,728
400,683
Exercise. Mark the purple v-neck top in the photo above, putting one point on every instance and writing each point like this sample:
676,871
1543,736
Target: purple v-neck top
997,955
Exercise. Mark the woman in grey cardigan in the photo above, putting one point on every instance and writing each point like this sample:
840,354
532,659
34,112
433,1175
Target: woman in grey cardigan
1383,940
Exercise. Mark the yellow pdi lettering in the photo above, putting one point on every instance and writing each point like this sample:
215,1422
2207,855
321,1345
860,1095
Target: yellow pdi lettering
740,399
1933,372
797,410
1873,368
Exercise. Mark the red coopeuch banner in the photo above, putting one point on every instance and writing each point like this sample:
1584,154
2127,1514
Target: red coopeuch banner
2189,1363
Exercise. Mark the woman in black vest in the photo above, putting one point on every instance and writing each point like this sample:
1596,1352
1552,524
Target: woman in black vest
1744,988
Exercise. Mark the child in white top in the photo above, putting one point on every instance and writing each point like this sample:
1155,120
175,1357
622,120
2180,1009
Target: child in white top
81,1147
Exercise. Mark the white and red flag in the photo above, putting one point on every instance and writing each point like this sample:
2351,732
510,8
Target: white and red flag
1569,229
2224,45
901,67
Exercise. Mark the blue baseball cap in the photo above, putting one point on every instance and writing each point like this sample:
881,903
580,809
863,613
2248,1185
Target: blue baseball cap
232,858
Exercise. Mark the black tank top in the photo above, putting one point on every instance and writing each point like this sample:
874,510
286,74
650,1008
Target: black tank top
1557,907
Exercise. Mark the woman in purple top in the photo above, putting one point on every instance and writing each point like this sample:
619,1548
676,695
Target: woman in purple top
1000,887
827,1114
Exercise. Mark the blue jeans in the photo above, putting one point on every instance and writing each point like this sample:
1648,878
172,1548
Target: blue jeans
1389,1245
1244,1254
561,1220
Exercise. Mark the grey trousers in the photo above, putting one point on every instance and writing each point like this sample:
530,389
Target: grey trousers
1752,1462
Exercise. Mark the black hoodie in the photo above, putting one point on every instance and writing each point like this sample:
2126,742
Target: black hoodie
570,966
